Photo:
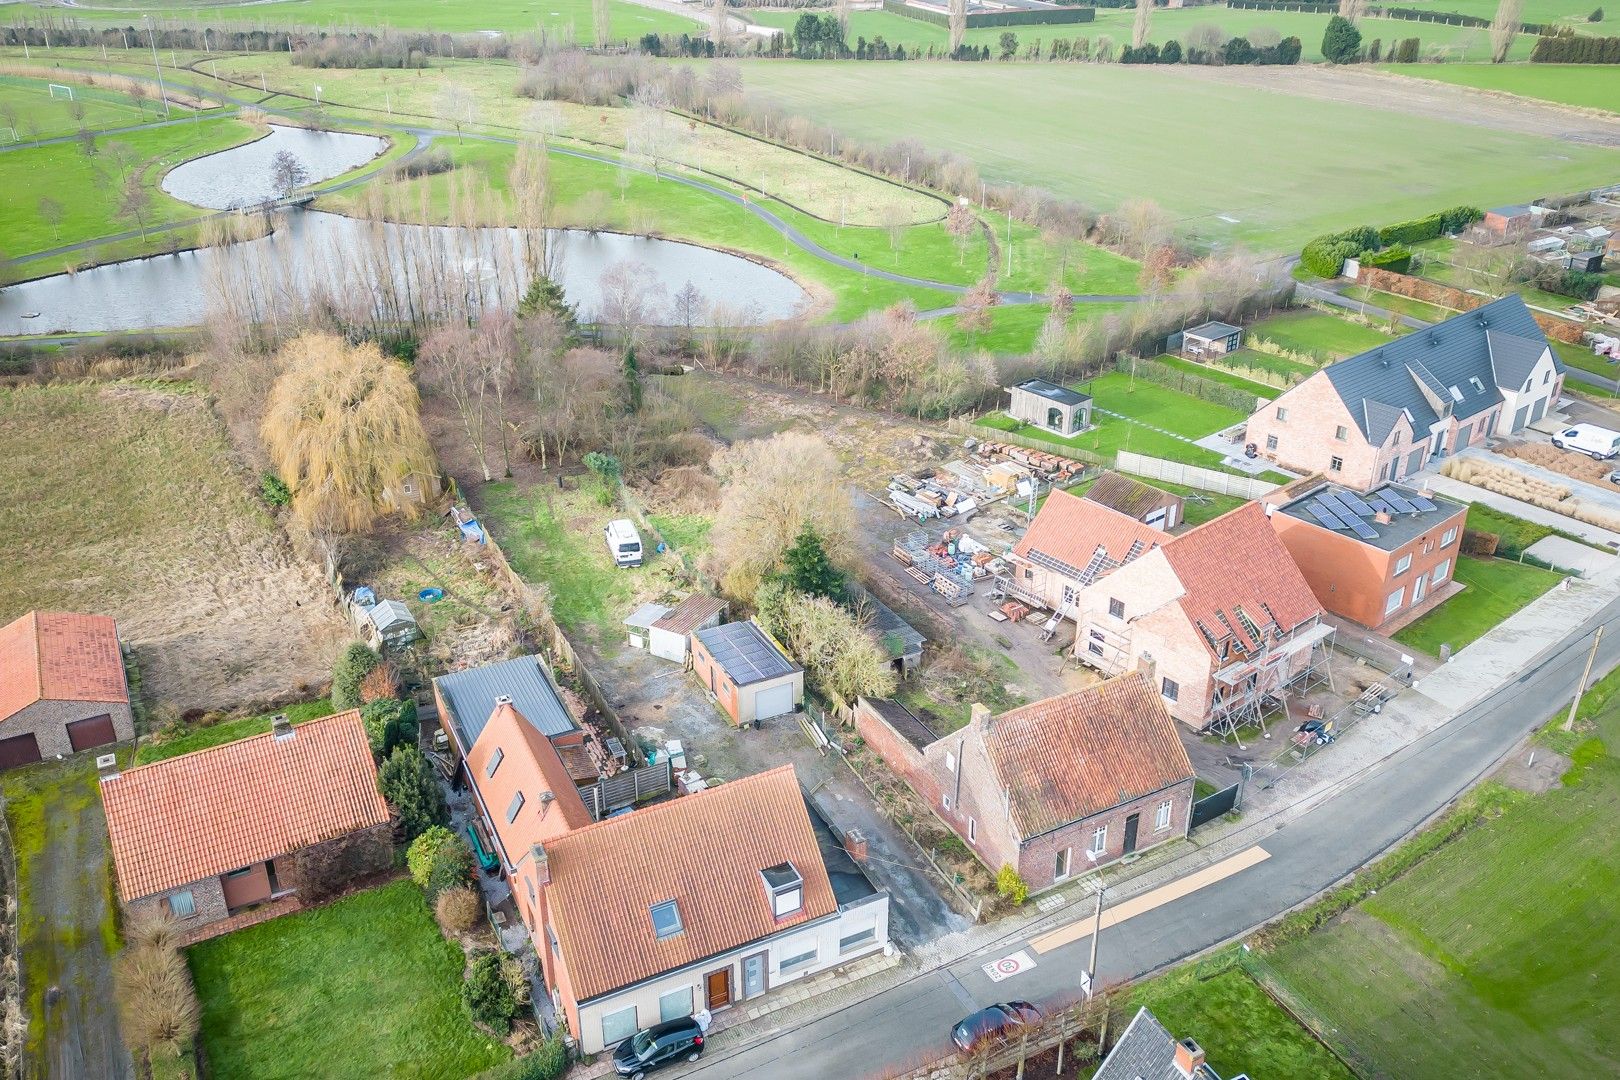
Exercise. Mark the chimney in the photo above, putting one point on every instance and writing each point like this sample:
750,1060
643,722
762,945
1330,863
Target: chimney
503,699
979,716
107,767
1382,518
855,844
542,864
281,728
1189,1057
1147,666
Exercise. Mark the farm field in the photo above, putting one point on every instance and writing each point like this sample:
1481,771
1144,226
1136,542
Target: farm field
1590,86
1048,125
127,500
569,17
1496,589
1318,334
365,986
1473,946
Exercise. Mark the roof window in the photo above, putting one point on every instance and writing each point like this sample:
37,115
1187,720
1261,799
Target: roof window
666,920
785,887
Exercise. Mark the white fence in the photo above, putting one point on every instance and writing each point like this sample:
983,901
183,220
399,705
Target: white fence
1192,475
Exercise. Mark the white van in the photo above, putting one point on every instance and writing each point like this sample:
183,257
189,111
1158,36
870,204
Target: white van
1599,442
623,542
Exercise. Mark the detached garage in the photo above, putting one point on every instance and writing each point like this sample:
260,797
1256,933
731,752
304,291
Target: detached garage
748,675
62,687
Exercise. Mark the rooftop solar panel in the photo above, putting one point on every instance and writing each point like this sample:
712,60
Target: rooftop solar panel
1324,515
1362,529
1399,503
1422,504
1339,505
1379,505
1356,504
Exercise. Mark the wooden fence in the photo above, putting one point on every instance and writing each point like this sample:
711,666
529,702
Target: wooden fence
627,789
1175,472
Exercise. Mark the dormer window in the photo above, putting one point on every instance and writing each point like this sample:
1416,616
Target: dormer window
666,920
785,887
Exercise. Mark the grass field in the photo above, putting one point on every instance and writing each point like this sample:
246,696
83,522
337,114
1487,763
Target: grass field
1590,86
127,500
1015,328
1496,589
363,987
37,115
88,189
1063,127
1491,946
227,731
1316,333
1225,378
570,17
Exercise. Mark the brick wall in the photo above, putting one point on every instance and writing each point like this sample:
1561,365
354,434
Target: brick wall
208,895
1307,439
1037,863
1353,579
48,721
713,677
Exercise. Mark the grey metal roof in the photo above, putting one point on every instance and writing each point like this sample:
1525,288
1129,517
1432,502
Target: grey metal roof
886,621
747,655
644,616
1444,356
1516,210
470,696
390,613
1053,392
1146,1052
1210,331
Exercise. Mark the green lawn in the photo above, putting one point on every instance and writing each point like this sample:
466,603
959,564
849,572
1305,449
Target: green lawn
1405,305
1015,328
1066,127
1225,378
1583,358
363,987
1199,505
1496,589
1236,1022
687,533
1591,86
1514,534
1316,333
1494,946
40,116
88,189
228,731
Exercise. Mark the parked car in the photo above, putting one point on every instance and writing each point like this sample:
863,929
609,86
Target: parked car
650,1049
624,542
995,1024
1600,442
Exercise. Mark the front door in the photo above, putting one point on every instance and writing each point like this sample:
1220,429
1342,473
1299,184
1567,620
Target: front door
1131,824
719,986
753,975
1419,587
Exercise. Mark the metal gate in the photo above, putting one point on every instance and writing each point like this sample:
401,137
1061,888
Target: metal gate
1213,806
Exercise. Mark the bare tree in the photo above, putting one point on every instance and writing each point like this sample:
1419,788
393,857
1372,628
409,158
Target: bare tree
87,142
8,113
632,298
719,24
895,222
651,134
960,224
602,21
958,24
544,118
723,79
1138,227
1353,10
1264,37
687,307
135,201
1139,28
1205,37
458,105
1504,28
841,11
448,364
287,173
50,212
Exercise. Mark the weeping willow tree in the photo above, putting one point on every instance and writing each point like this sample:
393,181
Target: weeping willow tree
343,431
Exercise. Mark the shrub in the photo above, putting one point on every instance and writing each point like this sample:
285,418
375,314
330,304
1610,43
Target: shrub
407,782
1238,51
381,682
487,993
273,491
1325,255
157,1004
1430,226
434,161
1011,886
1407,51
1396,259
547,1062
1341,41
459,909
389,723
425,850
357,661
1596,16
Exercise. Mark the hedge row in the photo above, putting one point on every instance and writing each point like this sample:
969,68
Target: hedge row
1196,385
1038,17
1325,255
1394,258
1431,226
1566,49
1320,7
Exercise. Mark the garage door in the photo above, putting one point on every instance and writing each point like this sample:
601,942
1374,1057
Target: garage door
92,732
18,750
774,701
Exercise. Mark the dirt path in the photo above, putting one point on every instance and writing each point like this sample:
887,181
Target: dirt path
1418,97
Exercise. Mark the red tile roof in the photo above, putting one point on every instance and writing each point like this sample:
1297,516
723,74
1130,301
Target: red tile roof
703,851
531,765
690,613
206,813
1071,529
55,656
1238,561
1077,754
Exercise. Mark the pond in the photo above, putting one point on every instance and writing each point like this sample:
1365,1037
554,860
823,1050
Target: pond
244,175
371,263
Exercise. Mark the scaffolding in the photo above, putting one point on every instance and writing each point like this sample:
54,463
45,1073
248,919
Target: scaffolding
1248,691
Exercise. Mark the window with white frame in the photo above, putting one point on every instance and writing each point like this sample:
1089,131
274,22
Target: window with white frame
1060,868
1271,442
1282,415
1403,564
950,761
945,800
1161,816
1341,433
1440,572
973,830
182,904
1099,840
618,1026
1116,608
1395,600
857,939
675,1004
1450,535
1336,463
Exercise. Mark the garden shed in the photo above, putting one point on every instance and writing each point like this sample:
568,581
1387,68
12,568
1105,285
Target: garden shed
1211,339
1048,405
670,636
749,675
390,625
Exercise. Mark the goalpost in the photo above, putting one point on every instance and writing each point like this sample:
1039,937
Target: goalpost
57,90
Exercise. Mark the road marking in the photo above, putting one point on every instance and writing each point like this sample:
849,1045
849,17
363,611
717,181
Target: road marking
1008,966
1137,905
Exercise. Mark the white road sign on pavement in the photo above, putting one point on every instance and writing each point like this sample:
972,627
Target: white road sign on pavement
1008,966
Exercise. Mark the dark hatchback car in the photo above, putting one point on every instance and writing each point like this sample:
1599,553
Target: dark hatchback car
650,1049
994,1024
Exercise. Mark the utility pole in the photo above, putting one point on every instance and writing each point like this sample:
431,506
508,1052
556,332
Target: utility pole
1580,687
1096,931
162,93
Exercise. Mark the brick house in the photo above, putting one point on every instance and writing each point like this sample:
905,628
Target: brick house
749,675
1386,413
1054,788
1072,543
1371,558
697,903
62,687
204,835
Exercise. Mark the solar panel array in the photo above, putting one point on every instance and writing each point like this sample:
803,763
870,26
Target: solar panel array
1344,510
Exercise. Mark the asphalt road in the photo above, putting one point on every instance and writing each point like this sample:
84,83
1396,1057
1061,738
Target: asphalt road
1365,816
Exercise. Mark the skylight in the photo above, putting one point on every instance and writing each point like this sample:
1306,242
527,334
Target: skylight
1456,394
666,920
512,810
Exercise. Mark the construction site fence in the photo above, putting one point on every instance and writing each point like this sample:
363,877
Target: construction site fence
1176,472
